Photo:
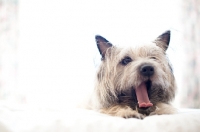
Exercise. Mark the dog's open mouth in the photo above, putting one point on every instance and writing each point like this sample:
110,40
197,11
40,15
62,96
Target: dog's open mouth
142,94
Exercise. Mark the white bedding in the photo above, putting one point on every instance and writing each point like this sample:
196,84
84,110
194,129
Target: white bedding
80,120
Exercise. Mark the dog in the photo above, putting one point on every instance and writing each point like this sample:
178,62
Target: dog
134,82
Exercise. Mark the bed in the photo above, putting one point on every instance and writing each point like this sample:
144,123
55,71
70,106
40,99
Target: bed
82,120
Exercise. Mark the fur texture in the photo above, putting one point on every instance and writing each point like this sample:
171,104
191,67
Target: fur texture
121,72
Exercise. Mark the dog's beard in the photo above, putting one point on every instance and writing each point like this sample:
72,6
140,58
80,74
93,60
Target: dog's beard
152,94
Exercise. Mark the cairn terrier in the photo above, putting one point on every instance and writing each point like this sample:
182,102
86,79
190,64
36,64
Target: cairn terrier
136,81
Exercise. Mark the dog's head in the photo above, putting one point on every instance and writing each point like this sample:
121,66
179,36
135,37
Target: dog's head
141,74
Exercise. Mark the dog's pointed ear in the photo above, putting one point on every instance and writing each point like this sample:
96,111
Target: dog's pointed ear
102,45
163,40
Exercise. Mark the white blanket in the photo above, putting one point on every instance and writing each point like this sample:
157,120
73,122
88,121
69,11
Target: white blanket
80,120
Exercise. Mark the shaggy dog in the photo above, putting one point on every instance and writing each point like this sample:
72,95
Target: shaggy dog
136,81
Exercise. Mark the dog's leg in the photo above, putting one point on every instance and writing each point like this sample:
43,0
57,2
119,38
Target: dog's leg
162,108
122,111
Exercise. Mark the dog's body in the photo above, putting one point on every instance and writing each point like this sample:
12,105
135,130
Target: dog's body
135,81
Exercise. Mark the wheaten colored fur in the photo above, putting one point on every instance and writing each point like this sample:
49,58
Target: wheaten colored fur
115,83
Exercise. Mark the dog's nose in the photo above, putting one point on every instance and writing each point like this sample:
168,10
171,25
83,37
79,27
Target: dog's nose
147,70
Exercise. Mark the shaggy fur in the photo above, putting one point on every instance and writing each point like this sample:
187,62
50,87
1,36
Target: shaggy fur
119,75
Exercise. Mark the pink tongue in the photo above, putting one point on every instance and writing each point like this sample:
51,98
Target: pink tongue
142,96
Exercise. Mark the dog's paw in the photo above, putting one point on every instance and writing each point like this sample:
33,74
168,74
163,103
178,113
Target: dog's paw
122,111
162,108
132,114
129,113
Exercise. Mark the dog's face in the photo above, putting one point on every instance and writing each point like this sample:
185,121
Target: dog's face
136,76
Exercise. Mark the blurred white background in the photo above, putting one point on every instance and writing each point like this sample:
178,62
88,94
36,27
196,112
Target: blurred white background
56,51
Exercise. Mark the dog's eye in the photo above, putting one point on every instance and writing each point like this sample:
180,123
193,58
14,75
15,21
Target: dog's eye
126,60
153,58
